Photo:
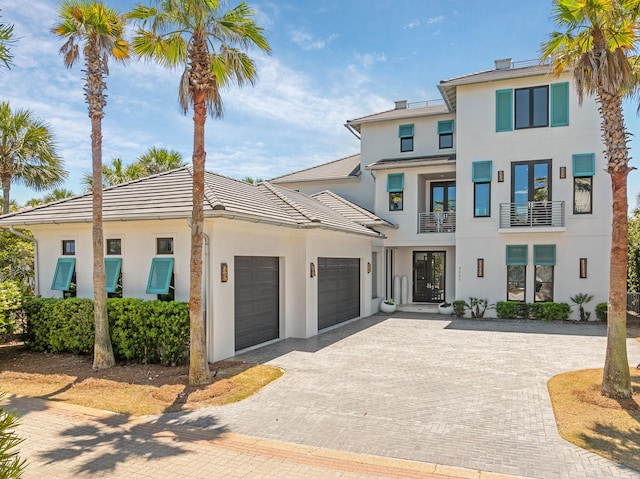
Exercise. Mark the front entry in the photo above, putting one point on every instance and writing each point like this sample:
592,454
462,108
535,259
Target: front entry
428,276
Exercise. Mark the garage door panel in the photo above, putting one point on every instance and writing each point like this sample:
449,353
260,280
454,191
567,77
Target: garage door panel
257,303
338,290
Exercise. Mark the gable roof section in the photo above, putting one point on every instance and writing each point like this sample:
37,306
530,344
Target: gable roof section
399,114
350,210
168,196
347,168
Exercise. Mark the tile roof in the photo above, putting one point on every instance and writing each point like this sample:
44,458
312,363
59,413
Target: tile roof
343,168
349,210
399,114
168,195
389,163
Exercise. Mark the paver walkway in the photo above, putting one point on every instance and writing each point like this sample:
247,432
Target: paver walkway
403,396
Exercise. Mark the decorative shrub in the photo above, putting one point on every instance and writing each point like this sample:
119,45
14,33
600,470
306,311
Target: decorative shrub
10,302
141,331
512,310
548,311
601,311
11,465
459,308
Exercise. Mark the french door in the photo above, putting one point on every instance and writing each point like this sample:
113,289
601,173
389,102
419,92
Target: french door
428,276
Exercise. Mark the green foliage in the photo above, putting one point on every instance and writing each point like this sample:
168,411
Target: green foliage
141,331
459,308
601,311
633,262
580,299
478,306
548,311
10,302
11,466
16,259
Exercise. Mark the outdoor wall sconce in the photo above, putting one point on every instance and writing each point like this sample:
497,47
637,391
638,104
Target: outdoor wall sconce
500,176
312,270
368,267
224,272
583,267
480,267
563,172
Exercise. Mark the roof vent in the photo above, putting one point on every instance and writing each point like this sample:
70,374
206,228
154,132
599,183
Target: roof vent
504,64
401,104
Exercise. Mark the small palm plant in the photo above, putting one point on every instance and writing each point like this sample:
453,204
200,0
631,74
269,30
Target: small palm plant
580,299
11,465
478,307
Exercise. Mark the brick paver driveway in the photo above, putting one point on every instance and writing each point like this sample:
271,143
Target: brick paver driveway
462,393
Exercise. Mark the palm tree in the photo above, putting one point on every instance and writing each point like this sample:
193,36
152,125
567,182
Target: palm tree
115,174
208,42
99,30
157,160
57,195
28,153
13,205
6,40
598,41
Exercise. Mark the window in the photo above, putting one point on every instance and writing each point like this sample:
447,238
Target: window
517,259
544,259
445,131
532,107
68,247
113,273
63,274
164,245
395,188
583,171
405,132
114,246
481,172
531,193
161,278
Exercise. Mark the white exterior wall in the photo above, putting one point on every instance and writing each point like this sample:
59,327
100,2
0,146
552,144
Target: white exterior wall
358,190
585,236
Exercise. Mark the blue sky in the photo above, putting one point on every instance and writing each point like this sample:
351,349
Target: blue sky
332,61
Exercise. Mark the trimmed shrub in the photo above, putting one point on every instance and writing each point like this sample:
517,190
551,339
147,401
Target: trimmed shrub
10,302
548,311
141,331
601,311
512,310
459,308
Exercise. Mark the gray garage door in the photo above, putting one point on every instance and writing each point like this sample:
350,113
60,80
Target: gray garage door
257,301
338,290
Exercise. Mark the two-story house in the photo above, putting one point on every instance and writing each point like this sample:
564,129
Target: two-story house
490,190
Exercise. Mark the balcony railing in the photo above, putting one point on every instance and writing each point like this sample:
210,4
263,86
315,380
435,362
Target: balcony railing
437,222
532,214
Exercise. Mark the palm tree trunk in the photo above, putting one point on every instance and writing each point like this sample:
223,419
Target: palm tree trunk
616,380
6,186
199,373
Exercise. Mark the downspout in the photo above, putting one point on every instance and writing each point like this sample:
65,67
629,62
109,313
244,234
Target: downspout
36,269
207,281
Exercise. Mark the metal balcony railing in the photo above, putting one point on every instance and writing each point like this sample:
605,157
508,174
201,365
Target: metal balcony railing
532,214
437,222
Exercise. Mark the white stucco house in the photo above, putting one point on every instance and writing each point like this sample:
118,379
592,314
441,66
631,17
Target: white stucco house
277,263
490,191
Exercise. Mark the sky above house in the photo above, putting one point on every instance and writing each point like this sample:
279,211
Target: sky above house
331,61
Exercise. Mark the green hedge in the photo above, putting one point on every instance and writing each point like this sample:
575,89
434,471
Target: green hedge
601,311
545,311
141,331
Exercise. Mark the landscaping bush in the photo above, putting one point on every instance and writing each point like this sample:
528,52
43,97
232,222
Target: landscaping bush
601,311
459,308
141,331
10,302
548,311
512,310
11,465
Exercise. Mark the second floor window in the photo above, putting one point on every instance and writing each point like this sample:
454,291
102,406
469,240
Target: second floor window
532,107
68,247
583,171
481,176
405,132
395,188
445,133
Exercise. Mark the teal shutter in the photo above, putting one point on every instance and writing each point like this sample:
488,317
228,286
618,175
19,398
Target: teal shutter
63,274
405,131
481,171
544,254
584,164
112,271
160,276
559,102
445,127
504,110
517,255
395,182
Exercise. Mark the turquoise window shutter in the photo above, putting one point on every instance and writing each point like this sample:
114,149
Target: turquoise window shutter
584,164
395,182
517,255
160,276
445,126
63,274
544,254
112,271
405,131
481,171
559,102
504,110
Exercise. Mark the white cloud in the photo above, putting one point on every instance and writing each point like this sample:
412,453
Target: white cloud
438,19
306,41
413,24
370,59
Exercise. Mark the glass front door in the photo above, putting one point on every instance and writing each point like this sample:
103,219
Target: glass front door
428,276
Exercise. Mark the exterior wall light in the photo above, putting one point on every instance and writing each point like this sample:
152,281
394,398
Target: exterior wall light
224,272
312,270
583,267
480,267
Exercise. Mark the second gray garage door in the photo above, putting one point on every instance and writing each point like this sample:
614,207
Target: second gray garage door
338,290
257,301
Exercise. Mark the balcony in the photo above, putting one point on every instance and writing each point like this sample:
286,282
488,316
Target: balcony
437,222
532,214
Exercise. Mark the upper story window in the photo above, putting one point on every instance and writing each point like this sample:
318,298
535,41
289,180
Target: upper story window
405,133
481,172
584,167
445,133
68,247
534,107
395,188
